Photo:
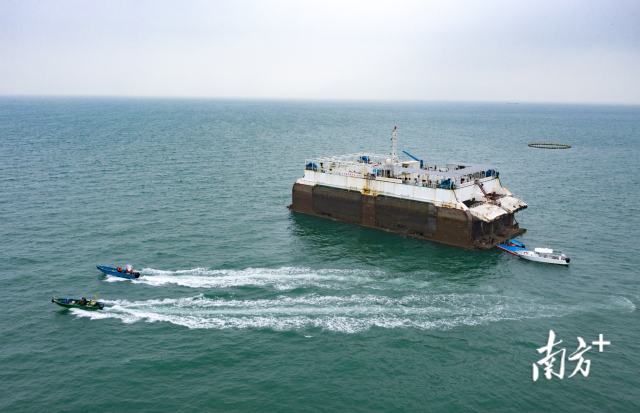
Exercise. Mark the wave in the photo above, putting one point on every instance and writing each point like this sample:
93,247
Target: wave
345,314
624,302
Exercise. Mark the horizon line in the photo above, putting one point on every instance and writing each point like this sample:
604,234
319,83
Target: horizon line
335,100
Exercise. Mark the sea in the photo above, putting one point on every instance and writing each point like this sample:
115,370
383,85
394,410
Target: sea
243,305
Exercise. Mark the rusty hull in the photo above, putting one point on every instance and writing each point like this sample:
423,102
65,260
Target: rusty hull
402,216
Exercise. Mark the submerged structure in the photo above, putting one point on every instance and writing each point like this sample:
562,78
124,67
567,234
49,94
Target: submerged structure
462,204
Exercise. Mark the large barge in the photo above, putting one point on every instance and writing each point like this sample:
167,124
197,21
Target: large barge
462,204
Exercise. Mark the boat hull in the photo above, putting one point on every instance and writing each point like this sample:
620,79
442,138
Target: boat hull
402,216
512,249
114,271
533,257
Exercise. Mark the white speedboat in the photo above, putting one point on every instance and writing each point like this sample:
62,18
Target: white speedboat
545,255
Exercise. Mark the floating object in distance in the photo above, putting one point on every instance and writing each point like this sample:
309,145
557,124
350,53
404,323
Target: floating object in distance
550,145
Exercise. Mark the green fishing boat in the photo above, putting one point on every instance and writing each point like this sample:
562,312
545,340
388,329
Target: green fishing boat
81,303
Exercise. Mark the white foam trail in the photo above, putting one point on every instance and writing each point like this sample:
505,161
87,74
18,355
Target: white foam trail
113,278
346,314
623,301
393,302
285,278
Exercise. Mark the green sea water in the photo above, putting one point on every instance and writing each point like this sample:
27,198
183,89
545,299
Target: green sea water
243,305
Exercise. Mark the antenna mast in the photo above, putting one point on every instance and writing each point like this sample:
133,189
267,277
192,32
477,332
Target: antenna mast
394,157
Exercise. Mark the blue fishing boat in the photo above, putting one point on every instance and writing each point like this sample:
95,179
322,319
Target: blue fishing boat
513,247
119,272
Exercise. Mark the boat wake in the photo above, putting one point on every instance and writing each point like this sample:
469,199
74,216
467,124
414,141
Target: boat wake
347,301
283,279
345,314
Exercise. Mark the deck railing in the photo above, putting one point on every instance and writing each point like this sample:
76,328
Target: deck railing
401,181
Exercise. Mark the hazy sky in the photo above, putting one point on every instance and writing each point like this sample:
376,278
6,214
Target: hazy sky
517,51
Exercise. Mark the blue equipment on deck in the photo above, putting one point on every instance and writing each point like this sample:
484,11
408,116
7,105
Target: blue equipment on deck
114,271
414,158
446,183
514,243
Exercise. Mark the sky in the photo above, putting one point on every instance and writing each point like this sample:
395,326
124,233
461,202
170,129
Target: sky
564,51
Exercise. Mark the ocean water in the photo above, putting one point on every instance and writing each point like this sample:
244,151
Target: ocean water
243,305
